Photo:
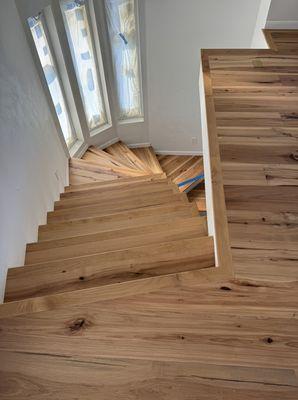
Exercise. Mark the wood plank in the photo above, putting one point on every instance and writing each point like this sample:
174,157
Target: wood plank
103,155
235,173
123,153
96,196
107,268
111,240
85,378
104,167
114,183
148,157
108,292
219,326
116,220
106,207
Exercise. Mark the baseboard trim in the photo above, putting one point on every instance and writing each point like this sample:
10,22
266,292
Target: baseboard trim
138,145
282,25
109,143
179,153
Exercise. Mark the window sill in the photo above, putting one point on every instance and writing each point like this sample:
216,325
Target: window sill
102,128
131,121
78,149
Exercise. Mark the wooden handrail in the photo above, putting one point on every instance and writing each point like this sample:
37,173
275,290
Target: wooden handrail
216,207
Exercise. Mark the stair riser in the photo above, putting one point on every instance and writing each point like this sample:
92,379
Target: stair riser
118,240
113,267
92,198
102,168
113,184
122,152
113,189
111,221
102,209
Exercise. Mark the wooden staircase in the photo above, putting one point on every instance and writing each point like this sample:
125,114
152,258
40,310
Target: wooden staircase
98,312
122,219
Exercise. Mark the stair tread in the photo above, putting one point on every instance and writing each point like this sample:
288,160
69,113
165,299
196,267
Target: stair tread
115,239
196,169
148,156
99,155
109,267
94,196
123,152
82,177
102,208
113,189
113,183
112,219
103,167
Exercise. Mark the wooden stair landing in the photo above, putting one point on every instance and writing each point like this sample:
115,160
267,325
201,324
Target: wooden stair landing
183,335
103,234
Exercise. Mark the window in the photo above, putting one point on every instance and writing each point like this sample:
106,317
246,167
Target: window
124,41
80,39
38,32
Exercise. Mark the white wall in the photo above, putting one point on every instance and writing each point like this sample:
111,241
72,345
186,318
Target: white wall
175,32
259,41
283,14
32,162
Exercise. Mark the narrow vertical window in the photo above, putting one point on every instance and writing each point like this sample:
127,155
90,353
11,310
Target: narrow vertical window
51,75
124,39
80,39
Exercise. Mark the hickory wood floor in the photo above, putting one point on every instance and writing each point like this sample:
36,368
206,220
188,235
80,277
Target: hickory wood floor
233,340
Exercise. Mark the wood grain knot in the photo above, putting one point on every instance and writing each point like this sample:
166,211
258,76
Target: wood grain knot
225,288
268,340
294,156
78,325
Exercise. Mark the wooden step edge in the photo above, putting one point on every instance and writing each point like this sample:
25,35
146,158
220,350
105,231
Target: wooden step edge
92,237
103,155
95,246
182,165
91,197
113,291
101,168
109,267
46,227
149,150
128,154
123,186
122,203
117,182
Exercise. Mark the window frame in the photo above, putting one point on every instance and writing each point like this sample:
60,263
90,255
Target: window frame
43,21
101,73
129,120
131,129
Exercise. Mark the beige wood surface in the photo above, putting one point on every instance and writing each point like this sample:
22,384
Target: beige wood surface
194,335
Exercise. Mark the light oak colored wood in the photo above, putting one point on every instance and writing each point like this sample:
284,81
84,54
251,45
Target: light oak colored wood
123,153
222,241
198,334
100,196
110,184
182,168
148,157
110,240
106,207
108,292
103,167
109,267
116,220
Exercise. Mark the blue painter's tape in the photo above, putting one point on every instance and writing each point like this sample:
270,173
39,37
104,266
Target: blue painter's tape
192,180
123,38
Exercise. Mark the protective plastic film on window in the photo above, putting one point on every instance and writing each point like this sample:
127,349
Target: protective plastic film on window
46,59
84,59
125,53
